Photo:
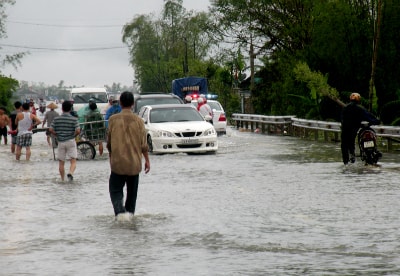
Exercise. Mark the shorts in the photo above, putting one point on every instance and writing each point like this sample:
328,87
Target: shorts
24,140
14,139
67,149
3,131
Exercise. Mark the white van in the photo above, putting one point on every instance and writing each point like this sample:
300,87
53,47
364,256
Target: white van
82,95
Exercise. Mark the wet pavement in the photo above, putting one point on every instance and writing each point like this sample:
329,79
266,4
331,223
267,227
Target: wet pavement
263,205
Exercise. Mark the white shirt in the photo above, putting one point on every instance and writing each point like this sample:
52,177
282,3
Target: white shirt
25,124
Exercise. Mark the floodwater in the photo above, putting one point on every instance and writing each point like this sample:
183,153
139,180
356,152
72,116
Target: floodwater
263,205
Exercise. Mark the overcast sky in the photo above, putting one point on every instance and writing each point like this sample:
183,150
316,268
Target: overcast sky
45,25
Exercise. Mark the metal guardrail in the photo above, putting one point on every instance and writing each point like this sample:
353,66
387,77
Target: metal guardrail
269,124
290,125
262,118
387,131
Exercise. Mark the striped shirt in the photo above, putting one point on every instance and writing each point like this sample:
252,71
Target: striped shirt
65,127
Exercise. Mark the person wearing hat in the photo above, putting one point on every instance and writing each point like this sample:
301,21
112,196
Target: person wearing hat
352,116
49,117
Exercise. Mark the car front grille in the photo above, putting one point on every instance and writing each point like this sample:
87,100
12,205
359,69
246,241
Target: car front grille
188,134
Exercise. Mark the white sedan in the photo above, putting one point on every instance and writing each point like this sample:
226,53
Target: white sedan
174,128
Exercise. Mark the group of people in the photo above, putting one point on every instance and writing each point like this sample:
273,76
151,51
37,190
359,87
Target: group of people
21,122
126,144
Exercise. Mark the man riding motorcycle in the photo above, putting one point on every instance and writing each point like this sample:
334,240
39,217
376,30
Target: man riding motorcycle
352,116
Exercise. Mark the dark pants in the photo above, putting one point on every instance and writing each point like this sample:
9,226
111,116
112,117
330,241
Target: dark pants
116,188
348,137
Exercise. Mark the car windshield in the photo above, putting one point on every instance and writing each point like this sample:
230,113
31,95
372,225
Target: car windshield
164,115
214,105
153,101
85,97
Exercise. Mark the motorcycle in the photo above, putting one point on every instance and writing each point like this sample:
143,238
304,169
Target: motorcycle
368,147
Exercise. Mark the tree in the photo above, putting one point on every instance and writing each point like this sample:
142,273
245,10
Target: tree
14,59
331,37
167,48
7,87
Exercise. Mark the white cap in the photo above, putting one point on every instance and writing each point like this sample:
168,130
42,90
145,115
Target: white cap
188,98
200,100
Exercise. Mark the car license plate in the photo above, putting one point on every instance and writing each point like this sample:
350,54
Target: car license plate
369,144
190,141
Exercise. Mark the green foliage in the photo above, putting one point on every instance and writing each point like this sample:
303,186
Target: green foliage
7,87
13,59
390,113
173,46
387,81
342,44
316,82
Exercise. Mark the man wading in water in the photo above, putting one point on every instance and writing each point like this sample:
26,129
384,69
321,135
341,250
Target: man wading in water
126,145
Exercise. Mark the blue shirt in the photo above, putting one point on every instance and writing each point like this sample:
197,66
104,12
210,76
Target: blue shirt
114,109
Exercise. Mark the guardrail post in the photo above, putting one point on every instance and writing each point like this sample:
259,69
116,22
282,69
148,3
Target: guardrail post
389,144
326,136
290,129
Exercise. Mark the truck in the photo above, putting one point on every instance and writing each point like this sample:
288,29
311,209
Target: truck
189,86
81,96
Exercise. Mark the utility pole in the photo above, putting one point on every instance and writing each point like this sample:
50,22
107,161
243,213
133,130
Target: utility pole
252,56
377,27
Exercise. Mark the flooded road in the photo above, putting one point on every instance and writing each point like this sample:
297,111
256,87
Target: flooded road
263,205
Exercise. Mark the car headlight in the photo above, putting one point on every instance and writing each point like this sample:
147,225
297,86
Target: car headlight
210,131
163,134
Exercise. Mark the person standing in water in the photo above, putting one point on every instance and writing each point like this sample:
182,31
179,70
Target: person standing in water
65,127
126,144
25,121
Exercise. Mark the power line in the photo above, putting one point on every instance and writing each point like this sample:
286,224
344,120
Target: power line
64,26
64,49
